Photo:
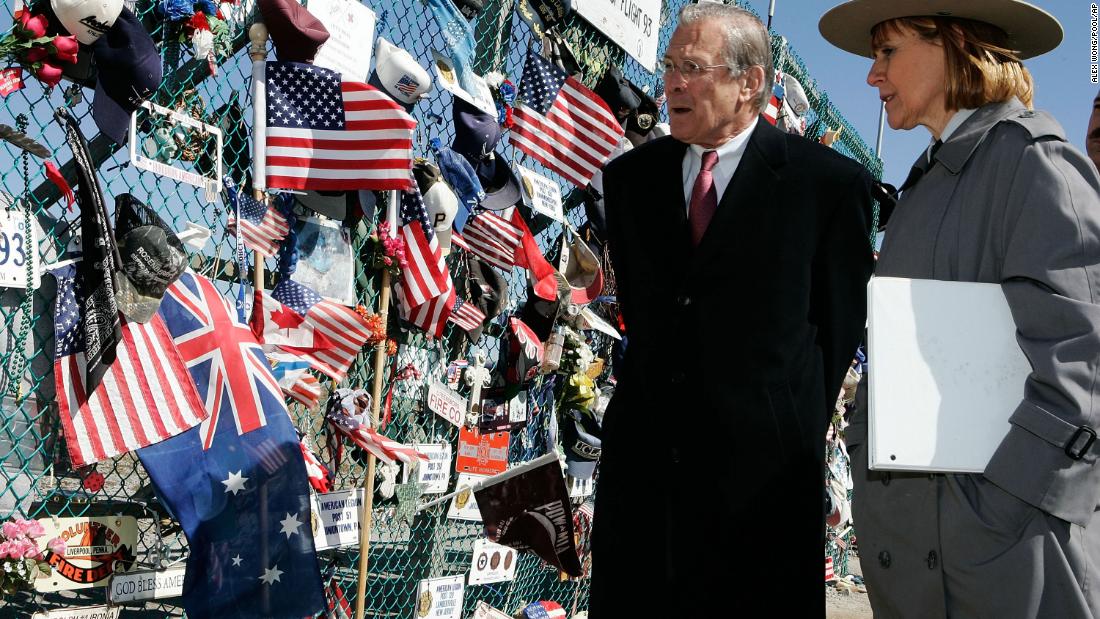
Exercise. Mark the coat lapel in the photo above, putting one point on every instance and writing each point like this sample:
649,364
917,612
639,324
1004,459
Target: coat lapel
752,186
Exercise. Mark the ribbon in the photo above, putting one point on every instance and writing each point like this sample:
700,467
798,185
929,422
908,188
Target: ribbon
56,178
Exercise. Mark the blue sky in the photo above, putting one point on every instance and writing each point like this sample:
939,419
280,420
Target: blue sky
1063,85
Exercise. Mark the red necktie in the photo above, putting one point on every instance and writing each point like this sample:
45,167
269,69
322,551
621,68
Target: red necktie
704,198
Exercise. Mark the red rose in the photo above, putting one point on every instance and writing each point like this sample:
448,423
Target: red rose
33,25
65,48
35,54
50,74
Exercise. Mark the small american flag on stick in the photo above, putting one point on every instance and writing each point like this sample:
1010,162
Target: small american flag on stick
327,134
263,228
562,123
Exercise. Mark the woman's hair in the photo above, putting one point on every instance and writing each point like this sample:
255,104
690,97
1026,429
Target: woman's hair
980,67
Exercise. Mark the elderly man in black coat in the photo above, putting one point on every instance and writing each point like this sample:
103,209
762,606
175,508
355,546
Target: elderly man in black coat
741,256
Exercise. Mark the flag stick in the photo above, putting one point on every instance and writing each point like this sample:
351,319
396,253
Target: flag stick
365,517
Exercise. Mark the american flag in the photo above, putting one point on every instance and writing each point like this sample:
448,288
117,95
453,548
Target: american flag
356,427
426,292
316,472
467,315
11,80
294,378
144,397
491,238
262,227
562,123
326,134
328,335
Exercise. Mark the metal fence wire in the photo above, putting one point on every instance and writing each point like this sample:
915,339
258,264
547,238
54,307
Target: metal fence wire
37,479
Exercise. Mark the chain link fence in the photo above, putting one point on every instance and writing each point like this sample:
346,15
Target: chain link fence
36,477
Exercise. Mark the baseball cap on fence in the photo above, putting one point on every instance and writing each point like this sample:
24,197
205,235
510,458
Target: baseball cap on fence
439,200
128,71
488,291
332,204
297,34
580,435
397,74
87,20
477,132
500,182
617,92
581,270
643,118
152,257
460,175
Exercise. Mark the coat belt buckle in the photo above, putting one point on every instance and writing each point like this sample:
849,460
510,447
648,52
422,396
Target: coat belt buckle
1078,453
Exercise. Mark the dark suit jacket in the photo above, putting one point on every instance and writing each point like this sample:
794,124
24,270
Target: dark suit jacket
713,450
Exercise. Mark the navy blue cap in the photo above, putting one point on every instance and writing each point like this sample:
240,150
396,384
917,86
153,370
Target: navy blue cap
128,72
500,183
581,439
477,133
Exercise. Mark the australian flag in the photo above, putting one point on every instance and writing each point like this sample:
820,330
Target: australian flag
236,484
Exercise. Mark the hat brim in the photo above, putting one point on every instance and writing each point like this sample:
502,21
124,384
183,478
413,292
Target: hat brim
333,207
136,306
1031,30
373,80
500,183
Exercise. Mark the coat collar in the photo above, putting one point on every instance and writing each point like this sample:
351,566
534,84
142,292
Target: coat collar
958,149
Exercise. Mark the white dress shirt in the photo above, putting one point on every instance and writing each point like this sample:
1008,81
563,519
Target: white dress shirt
729,157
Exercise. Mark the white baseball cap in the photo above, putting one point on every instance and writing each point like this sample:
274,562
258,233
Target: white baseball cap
87,20
398,74
439,200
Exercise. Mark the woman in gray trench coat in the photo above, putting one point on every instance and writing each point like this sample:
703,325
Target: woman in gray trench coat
999,196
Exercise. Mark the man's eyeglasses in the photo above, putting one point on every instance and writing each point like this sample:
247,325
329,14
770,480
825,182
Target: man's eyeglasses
688,69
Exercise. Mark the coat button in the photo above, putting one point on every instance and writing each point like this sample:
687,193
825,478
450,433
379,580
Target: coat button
674,455
884,559
932,560
677,378
683,300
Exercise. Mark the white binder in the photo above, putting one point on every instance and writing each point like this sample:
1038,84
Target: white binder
946,374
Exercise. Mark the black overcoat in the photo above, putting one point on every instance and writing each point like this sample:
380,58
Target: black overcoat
711,479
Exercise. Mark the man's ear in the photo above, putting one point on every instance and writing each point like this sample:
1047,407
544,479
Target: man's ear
754,83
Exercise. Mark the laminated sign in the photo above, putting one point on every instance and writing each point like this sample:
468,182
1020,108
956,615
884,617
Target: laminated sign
440,598
482,454
95,548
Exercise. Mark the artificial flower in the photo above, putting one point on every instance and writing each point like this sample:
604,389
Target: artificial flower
176,10
36,54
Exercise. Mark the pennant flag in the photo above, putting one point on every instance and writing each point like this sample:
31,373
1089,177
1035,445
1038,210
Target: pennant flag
527,508
426,293
237,485
11,80
328,335
263,227
354,423
562,123
327,134
467,315
294,378
140,399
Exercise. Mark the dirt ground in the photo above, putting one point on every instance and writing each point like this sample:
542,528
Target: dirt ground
853,605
